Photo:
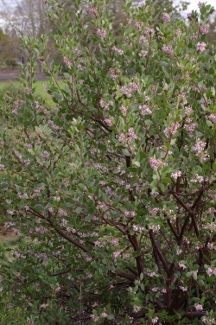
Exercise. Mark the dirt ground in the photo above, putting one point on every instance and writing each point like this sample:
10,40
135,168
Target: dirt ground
6,235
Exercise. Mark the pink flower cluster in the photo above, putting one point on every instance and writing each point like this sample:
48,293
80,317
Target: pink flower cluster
204,30
201,46
116,254
119,51
199,146
108,121
67,62
171,130
145,110
168,49
211,271
156,163
102,33
143,41
92,10
166,17
176,174
114,241
123,110
155,320
2,167
212,117
198,307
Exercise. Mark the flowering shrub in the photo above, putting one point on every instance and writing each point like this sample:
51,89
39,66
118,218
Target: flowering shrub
114,189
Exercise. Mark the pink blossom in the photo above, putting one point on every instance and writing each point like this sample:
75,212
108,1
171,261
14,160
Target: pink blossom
181,265
171,130
95,318
114,241
143,53
154,211
201,46
183,288
190,127
155,289
125,90
168,49
2,167
200,4
176,174
27,90
133,86
137,309
98,243
152,274
104,315
123,110
149,31
23,196
45,154
155,320
108,121
92,10
62,212
102,33
212,117
211,271
18,154
154,227
198,307
155,163
119,51
145,110
199,146
204,30
116,254
14,111
131,133
143,40
67,62
166,17
179,251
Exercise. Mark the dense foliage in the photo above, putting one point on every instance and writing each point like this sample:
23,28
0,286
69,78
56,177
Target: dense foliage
113,191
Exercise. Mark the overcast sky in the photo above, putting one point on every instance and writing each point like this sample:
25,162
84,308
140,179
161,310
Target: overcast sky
193,4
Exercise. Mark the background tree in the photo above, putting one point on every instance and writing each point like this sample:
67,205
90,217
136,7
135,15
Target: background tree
9,49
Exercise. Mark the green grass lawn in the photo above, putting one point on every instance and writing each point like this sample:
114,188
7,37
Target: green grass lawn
39,88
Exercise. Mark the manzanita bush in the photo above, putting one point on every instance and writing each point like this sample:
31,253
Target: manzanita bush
113,187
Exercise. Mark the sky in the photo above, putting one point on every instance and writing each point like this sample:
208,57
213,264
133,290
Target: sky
193,4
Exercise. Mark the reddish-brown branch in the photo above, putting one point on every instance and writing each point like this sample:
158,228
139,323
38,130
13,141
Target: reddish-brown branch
195,225
59,231
68,238
194,314
122,274
173,229
158,252
134,242
183,228
188,209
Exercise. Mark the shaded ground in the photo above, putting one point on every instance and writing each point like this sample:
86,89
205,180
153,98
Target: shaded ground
12,74
6,235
